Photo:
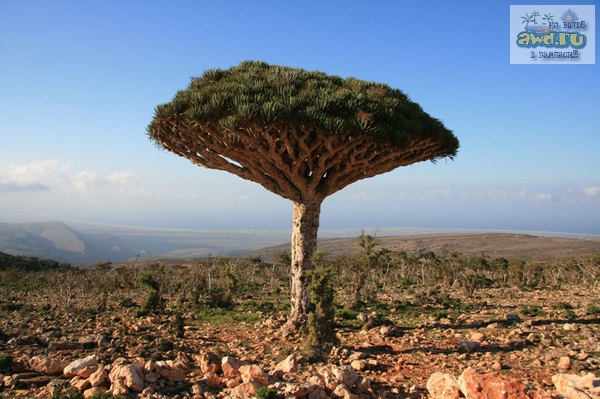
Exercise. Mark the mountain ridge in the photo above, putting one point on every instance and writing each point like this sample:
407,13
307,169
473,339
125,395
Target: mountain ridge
58,241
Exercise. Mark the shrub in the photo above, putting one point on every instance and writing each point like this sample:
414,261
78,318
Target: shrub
593,309
570,314
153,301
439,314
533,310
265,393
563,306
319,334
5,361
177,324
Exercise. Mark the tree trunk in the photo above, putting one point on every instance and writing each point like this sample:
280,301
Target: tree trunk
305,225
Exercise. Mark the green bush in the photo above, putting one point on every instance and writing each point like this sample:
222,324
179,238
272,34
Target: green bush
570,314
265,393
5,360
533,310
439,314
318,332
593,309
563,306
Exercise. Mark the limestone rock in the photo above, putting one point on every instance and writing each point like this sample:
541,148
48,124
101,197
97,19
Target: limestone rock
330,381
489,386
46,365
289,364
88,393
98,378
299,390
477,337
571,386
346,375
245,390
212,380
253,373
128,376
231,366
564,363
74,367
81,384
342,391
443,386
209,362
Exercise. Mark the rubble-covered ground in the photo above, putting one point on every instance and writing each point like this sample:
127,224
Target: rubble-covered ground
528,336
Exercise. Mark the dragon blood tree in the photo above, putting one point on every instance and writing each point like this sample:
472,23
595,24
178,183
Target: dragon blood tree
302,135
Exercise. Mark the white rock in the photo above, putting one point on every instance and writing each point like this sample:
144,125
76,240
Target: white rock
72,368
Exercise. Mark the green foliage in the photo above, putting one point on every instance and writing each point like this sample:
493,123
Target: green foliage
318,332
71,393
563,306
593,309
218,297
265,393
5,361
439,314
346,313
10,306
147,280
177,325
226,316
570,314
449,302
532,310
256,93
26,263
153,301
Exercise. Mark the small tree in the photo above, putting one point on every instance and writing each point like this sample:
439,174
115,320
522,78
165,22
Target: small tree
302,135
364,263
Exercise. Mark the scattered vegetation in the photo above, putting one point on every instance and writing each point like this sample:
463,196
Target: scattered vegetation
373,285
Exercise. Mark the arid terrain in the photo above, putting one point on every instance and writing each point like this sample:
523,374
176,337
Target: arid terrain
213,328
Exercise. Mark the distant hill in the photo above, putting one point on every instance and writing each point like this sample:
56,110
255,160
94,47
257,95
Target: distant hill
29,264
510,246
91,243
83,243
57,241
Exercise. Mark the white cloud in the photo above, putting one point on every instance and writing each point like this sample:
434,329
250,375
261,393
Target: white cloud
33,172
58,176
544,197
591,191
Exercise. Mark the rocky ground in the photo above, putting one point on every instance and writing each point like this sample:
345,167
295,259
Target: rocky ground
529,344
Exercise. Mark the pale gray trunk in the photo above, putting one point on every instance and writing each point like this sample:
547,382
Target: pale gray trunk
305,225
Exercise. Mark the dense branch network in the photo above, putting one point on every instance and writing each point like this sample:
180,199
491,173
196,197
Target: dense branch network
291,161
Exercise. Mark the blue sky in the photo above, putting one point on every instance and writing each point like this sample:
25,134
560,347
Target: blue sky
79,81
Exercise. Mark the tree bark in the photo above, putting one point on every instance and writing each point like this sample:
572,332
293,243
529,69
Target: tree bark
305,225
